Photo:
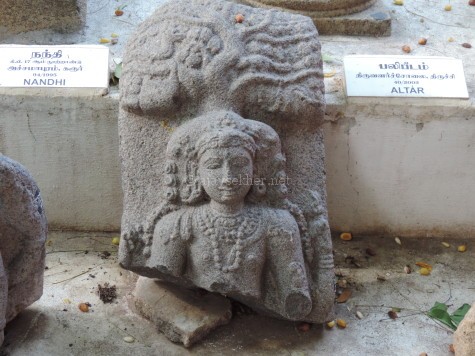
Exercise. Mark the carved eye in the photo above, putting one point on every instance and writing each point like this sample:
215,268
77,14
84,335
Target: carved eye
213,163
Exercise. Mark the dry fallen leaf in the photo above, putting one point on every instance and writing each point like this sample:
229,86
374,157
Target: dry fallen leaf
239,18
451,346
329,74
424,265
344,296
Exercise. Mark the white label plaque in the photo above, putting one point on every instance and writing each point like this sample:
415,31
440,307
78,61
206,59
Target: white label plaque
404,76
72,66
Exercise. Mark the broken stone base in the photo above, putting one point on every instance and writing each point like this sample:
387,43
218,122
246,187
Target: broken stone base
374,21
464,337
183,315
25,15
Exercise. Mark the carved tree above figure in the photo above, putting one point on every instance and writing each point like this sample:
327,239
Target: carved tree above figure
184,65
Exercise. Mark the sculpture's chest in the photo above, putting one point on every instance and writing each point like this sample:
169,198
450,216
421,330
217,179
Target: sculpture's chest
225,263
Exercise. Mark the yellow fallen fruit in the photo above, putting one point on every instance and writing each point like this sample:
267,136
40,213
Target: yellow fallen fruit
331,324
341,323
424,265
424,271
450,39
116,241
346,236
448,7
114,35
462,248
446,244
104,40
398,2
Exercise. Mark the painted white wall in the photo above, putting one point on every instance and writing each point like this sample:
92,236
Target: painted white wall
70,146
392,167
402,169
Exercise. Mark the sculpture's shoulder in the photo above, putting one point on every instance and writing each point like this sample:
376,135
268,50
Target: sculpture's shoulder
279,219
175,224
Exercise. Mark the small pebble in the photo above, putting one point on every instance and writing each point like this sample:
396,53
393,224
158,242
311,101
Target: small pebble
407,269
406,49
129,339
422,41
304,327
446,244
466,45
398,240
359,314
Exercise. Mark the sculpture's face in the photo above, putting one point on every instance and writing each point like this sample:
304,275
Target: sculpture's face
226,174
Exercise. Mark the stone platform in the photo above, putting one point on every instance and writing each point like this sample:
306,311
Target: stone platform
371,19
54,326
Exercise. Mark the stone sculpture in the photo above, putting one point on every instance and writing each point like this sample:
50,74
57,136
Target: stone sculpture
223,159
23,230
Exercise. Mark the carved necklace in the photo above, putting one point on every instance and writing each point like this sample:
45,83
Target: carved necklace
239,230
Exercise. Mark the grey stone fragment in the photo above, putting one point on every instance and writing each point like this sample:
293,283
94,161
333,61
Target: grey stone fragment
23,230
464,336
200,86
26,15
183,315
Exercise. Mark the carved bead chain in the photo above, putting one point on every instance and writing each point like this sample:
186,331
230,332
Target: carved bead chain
222,228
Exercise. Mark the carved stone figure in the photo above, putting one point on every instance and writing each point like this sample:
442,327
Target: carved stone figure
23,230
223,159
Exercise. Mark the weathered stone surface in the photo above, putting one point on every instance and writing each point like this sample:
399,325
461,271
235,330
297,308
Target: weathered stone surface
182,315
26,15
337,17
193,78
23,230
464,336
